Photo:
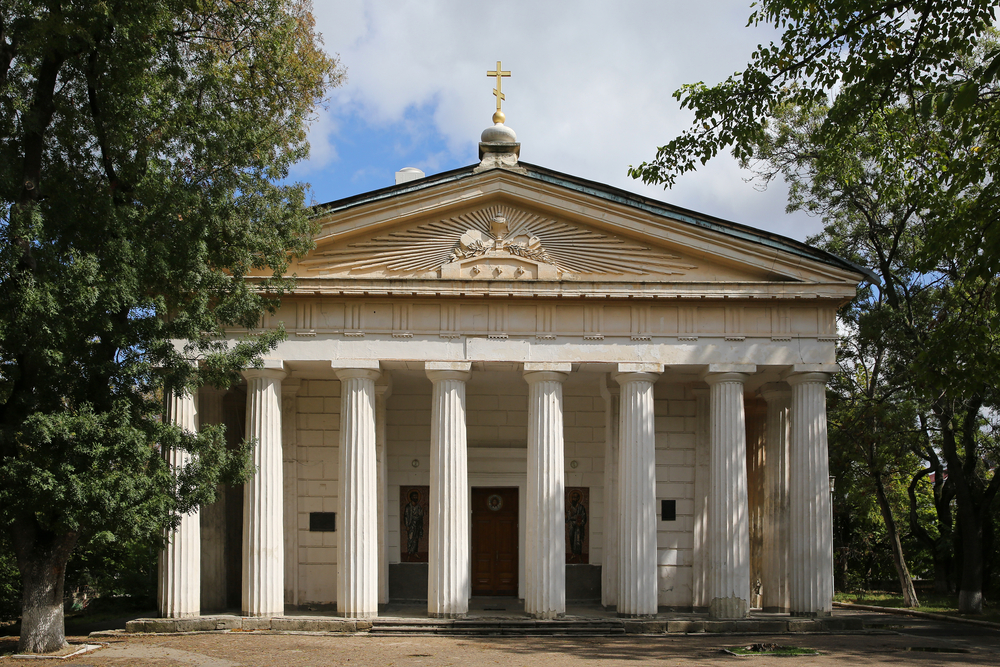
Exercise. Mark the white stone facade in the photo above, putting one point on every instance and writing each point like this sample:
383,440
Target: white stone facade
521,330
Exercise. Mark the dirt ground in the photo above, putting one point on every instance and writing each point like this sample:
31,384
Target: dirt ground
917,643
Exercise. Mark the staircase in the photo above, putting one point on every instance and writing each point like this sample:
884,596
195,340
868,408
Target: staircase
509,627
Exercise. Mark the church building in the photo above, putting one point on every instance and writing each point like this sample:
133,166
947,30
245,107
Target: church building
503,380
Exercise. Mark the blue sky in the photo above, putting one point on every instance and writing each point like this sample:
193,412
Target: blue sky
590,93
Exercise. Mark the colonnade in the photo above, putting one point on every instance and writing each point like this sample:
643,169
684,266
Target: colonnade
798,565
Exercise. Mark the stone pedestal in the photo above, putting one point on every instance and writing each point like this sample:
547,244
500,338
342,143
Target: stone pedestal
545,529
774,577
263,535
357,525
810,526
728,535
213,517
179,590
637,580
449,567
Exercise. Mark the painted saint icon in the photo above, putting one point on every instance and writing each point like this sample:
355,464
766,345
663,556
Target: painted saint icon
494,502
414,509
577,544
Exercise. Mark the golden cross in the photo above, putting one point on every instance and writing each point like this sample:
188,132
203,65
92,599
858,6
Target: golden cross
497,91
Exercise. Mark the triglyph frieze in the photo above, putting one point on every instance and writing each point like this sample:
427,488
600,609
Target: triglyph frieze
497,242
549,320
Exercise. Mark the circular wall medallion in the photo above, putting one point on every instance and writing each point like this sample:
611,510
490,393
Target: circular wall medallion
494,502
415,463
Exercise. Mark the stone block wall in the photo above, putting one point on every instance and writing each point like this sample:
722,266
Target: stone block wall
676,433
318,421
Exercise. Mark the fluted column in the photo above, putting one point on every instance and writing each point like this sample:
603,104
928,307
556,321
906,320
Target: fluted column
545,529
263,535
449,567
774,577
290,477
609,568
357,532
179,591
383,389
728,526
213,517
702,489
810,525
637,580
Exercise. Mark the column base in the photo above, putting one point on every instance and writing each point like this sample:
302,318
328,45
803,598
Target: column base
358,614
726,609
811,614
184,614
636,617
775,610
438,614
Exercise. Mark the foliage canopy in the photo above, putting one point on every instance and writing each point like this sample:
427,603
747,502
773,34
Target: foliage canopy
141,149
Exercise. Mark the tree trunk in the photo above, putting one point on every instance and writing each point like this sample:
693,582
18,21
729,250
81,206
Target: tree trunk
41,559
970,588
905,580
942,569
970,522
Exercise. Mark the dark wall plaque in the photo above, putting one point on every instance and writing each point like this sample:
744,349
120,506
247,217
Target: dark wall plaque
577,525
668,510
414,512
323,522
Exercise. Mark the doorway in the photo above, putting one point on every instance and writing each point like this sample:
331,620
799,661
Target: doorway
494,541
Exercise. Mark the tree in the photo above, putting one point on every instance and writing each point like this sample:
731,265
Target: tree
141,146
867,56
920,344
912,78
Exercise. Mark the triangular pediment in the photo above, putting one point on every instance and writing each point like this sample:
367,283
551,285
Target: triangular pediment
497,241
502,227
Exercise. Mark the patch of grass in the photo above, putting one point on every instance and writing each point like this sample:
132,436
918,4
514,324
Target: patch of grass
930,602
770,649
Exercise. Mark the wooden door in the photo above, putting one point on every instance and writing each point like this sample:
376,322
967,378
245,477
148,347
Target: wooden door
494,541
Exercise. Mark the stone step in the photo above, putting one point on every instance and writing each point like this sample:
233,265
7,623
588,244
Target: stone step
496,627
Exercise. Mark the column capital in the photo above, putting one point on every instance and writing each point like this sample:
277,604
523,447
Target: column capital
557,367
775,391
346,364
803,378
532,377
438,375
447,365
640,367
730,368
448,370
812,368
716,378
272,373
624,378
365,373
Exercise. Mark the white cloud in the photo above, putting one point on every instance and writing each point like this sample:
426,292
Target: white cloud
591,91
